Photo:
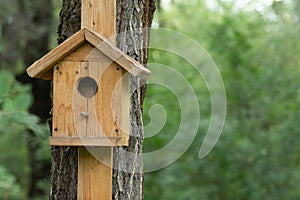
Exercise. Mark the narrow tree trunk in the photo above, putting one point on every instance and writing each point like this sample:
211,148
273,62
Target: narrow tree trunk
132,17
127,183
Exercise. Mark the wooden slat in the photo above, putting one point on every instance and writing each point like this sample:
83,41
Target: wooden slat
118,56
99,16
58,92
95,174
48,75
106,81
125,105
94,126
94,178
42,68
63,96
79,102
120,102
46,63
88,141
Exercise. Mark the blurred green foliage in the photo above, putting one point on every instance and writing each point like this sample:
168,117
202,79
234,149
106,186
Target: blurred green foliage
15,124
257,52
9,189
25,153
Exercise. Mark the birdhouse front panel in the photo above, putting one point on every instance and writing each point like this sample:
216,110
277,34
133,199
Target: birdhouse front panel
90,100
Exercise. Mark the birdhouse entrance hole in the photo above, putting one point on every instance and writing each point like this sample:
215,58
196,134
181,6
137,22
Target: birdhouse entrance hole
87,87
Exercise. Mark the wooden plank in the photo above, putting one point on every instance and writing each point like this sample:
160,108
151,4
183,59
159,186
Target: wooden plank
58,112
99,16
67,102
79,102
118,56
94,176
61,105
88,141
48,75
94,127
125,106
120,99
40,69
106,81
86,52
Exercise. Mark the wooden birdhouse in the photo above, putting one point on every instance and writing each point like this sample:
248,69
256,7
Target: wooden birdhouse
90,90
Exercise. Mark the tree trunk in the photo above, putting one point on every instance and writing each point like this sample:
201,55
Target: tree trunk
132,17
127,183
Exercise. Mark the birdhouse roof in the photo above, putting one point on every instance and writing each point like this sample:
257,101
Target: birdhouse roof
43,67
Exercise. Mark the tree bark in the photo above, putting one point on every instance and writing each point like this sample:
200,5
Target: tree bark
127,174
133,19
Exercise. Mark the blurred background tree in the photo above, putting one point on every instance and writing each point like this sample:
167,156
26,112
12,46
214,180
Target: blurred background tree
26,32
256,48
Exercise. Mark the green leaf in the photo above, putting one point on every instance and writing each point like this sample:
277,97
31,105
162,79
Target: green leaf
6,81
31,122
22,101
4,119
25,118
38,129
9,189
8,105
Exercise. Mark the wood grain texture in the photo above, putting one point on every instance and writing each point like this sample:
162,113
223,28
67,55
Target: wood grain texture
88,141
118,56
43,67
40,69
108,110
63,96
87,52
94,178
123,88
99,16
79,102
94,175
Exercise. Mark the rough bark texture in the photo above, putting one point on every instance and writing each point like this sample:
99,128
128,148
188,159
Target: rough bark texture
132,16
65,159
70,19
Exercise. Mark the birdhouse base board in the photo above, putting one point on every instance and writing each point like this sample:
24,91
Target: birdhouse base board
88,141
